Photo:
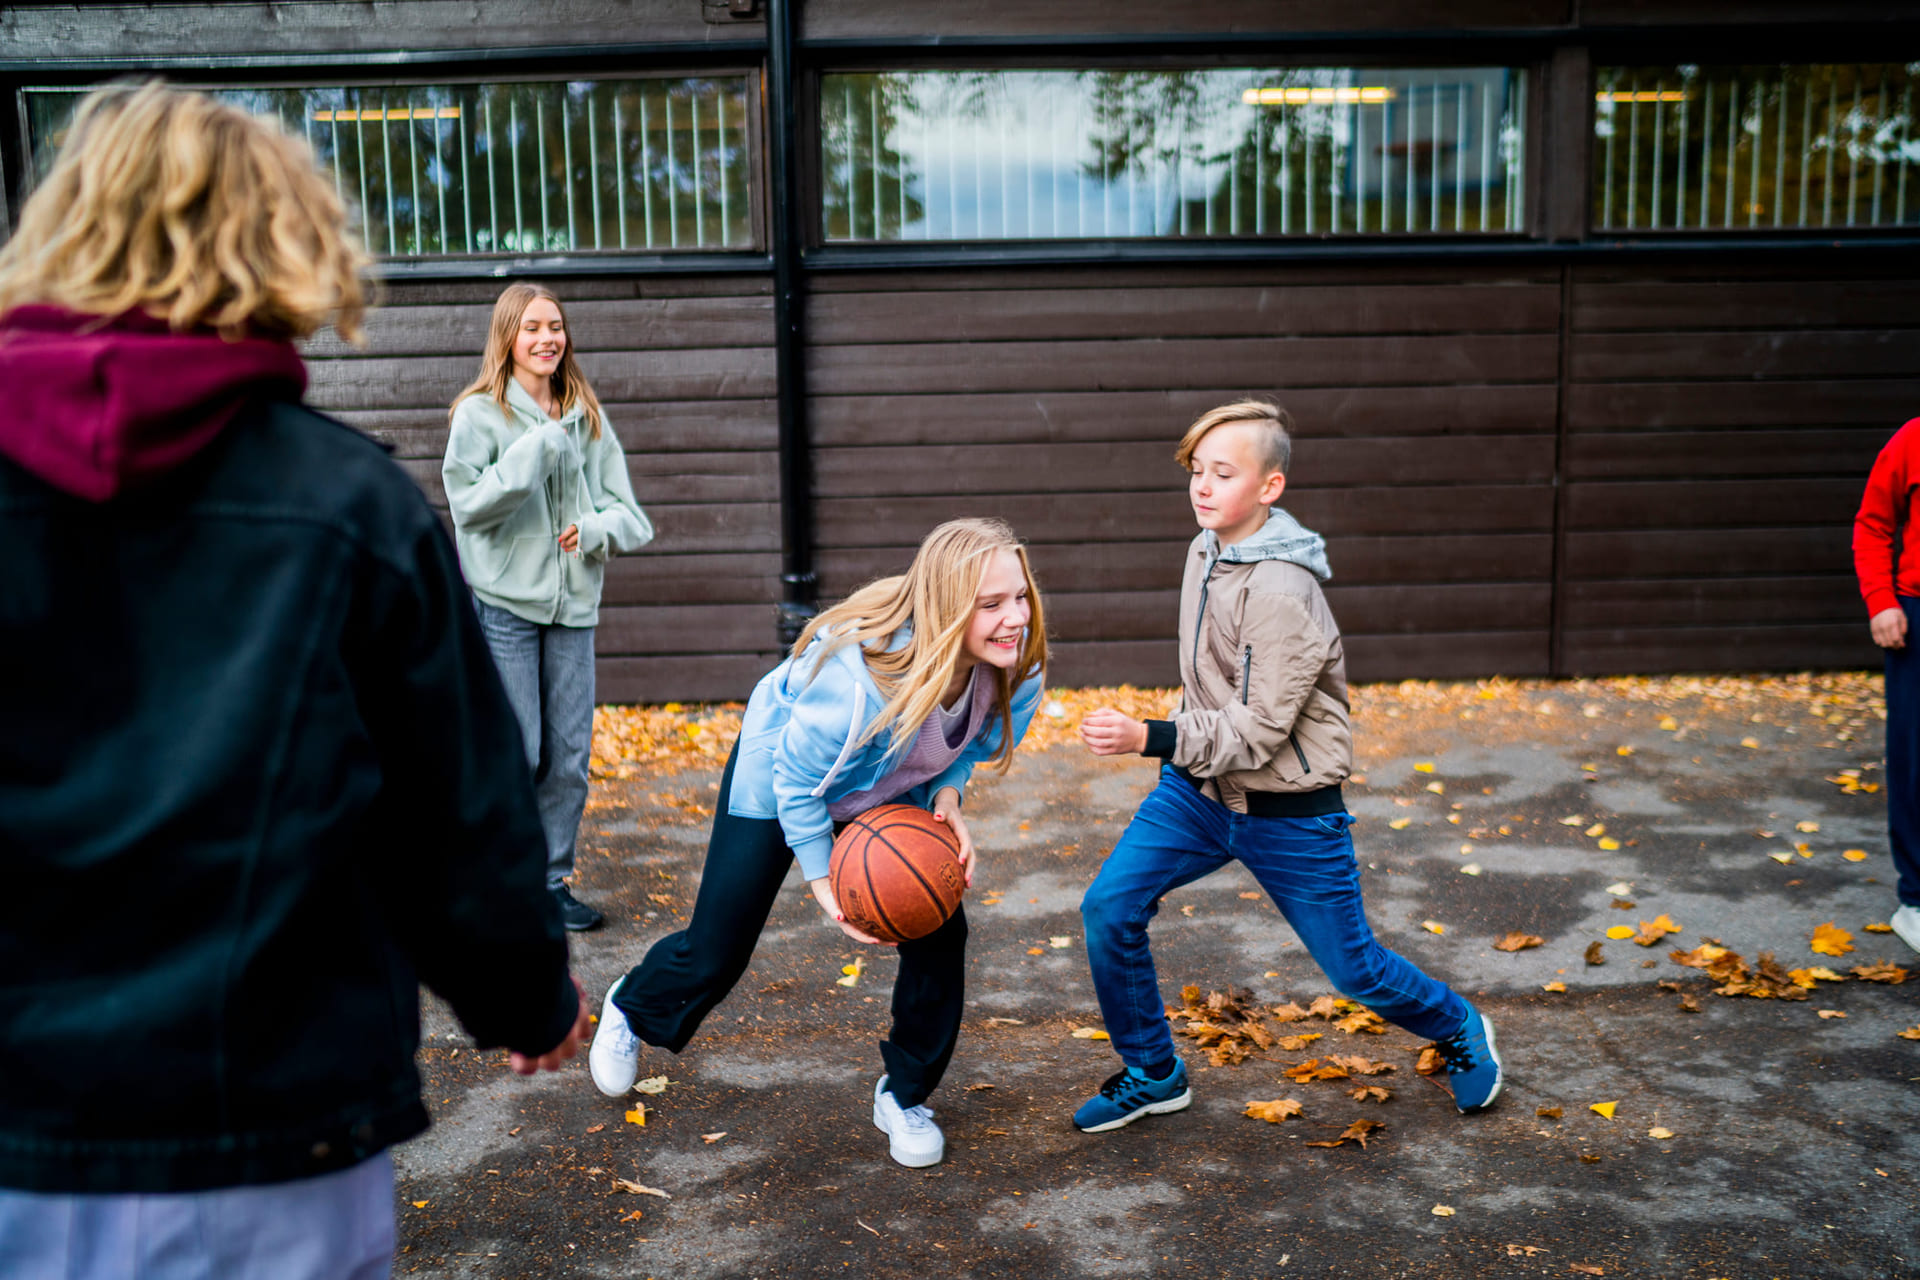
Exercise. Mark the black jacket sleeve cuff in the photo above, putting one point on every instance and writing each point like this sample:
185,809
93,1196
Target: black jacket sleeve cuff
1161,737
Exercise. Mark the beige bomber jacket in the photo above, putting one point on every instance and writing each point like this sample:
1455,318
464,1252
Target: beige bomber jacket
1264,705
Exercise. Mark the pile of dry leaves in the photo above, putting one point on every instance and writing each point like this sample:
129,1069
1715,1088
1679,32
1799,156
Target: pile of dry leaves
1232,1027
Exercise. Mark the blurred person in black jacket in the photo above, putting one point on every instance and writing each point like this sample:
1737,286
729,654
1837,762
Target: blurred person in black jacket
258,777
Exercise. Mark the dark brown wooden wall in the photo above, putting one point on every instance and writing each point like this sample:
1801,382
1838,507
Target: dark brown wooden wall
1721,423
684,368
1424,399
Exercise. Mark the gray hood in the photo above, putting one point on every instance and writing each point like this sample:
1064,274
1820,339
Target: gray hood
1281,538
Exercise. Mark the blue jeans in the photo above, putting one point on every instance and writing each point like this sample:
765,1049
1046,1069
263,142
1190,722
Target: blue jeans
1903,756
338,1226
1307,867
548,672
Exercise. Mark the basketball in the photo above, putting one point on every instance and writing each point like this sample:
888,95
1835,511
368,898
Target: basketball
896,872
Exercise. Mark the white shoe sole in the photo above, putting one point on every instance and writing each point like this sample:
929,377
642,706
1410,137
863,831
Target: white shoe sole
1171,1105
613,1074
1500,1069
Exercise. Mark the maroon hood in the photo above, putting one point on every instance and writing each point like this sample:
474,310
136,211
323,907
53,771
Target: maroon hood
94,406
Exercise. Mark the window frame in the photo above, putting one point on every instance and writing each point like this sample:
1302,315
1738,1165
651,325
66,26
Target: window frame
287,75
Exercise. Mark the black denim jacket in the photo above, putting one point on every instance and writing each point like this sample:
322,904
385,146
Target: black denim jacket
258,780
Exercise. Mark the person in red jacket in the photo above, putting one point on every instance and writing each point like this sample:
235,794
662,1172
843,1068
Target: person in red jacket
1888,564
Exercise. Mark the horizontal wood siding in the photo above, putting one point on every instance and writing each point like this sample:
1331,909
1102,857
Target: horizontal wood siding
1424,400
1720,425
684,369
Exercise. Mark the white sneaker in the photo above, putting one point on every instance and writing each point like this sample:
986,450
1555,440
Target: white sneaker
1906,923
614,1057
914,1140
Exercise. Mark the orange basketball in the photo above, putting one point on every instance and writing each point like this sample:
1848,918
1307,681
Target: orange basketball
896,872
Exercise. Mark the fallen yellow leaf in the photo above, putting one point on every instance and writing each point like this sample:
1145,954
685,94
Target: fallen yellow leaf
1433,926
1750,743
1275,1111
1880,926
1623,751
638,1188
1620,931
1658,1132
1059,941
1572,820
638,1115
1425,766
1401,824
713,1137
1443,1211
421,1204
1437,788
1609,843
852,972
1471,869
1806,826
1829,1013
1090,1033
1669,724
1911,1033
1854,855
1830,940
1784,859
652,1084
1604,1109
1595,831
1555,987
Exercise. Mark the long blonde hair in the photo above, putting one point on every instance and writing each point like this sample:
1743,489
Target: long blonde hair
496,363
193,211
936,594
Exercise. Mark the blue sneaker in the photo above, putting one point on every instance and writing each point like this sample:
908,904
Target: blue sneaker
1127,1095
1473,1064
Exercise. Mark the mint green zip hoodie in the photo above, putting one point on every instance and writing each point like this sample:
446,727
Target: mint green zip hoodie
513,482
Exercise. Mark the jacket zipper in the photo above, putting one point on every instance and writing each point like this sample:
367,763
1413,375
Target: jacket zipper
1246,673
1299,754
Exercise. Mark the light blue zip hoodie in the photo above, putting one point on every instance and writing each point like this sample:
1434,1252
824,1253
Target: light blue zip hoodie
513,482
797,753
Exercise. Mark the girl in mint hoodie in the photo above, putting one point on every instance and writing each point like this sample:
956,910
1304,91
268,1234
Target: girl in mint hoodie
540,499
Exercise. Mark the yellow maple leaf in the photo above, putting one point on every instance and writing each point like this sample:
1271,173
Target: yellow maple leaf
1659,1132
1911,1033
638,1115
1620,932
1401,824
1609,843
1854,855
1831,940
1425,766
1274,1111
1604,1109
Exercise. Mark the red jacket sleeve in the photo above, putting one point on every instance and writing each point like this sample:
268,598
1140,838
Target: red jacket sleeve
1883,511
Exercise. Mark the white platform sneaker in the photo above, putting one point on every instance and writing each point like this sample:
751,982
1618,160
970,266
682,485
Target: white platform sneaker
1906,923
614,1057
914,1140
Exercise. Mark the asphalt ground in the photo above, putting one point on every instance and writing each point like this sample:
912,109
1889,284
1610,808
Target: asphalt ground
1793,1149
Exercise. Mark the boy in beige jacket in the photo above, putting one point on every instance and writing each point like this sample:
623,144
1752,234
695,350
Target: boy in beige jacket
1253,762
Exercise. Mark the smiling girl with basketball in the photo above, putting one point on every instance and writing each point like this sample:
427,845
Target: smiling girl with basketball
895,694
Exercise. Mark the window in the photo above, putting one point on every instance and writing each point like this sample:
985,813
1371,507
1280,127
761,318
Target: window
1745,148
536,167
997,155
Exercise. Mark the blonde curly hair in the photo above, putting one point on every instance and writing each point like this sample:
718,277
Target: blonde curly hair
169,202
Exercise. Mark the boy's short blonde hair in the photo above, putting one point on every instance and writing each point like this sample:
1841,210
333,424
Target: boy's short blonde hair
167,201
1273,428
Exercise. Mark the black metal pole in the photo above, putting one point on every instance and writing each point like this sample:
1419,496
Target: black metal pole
797,580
